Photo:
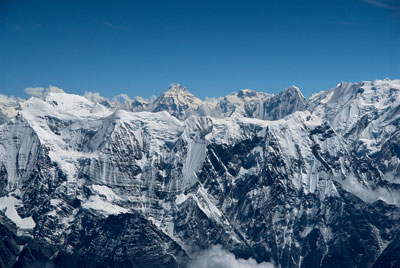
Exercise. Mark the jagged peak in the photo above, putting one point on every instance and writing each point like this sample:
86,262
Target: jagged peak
179,93
176,89
246,93
292,91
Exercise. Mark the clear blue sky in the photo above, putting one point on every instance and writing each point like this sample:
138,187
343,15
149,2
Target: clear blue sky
211,47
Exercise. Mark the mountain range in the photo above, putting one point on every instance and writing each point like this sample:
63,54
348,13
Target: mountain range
277,180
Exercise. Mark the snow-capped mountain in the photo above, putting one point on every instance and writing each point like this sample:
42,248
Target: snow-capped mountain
9,107
88,182
180,103
177,101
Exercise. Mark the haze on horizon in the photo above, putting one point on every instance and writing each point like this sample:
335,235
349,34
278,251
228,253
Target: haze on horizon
211,47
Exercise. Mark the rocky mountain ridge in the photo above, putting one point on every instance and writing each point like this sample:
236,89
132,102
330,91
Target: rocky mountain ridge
278,178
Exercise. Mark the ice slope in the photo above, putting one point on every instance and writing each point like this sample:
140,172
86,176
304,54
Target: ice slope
7,204
351,107
367,116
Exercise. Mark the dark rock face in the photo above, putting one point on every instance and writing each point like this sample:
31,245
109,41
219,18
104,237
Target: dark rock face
147,190
9,250
287,102
35,254
125,240
390,257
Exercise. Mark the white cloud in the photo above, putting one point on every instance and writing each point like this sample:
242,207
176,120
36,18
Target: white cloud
150,99
94,96
34,91
121,99
55,89
41,92
217,257
353,185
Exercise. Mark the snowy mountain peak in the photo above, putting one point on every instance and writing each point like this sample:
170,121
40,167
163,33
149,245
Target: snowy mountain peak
246,93
68,100
292,95
287,102
64,106
179,93
178,101
9,107
176,88
292,91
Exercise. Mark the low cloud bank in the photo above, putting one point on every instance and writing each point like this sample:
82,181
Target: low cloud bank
217,257
41,92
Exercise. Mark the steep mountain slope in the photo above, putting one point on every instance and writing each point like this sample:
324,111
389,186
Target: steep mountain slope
297,183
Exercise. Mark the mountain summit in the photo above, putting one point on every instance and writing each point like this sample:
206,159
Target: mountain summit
177,101
176,89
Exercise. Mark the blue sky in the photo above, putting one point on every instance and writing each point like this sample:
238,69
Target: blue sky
211,47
